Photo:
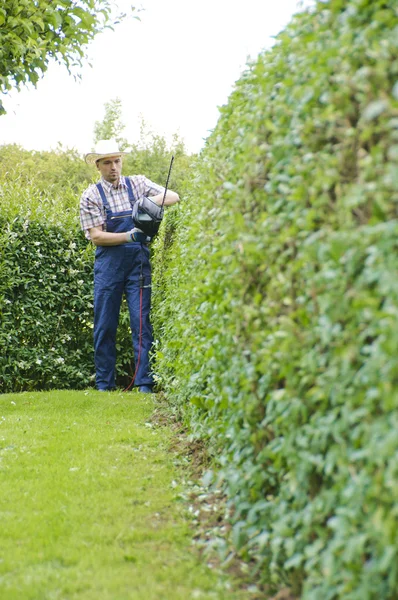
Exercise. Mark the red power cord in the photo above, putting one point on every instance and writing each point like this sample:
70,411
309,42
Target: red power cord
139,349
141,287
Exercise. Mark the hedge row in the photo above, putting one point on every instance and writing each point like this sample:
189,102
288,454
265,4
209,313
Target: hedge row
46,296
278,315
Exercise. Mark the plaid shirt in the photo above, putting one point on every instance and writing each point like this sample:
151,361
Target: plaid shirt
92,210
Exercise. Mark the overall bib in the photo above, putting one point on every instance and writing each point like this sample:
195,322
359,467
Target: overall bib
118,270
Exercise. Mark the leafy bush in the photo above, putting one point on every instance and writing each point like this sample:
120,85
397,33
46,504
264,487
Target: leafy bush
46,294
61,171
46,305
62,174
46,266
278,320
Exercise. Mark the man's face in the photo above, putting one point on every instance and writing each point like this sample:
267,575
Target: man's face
110,168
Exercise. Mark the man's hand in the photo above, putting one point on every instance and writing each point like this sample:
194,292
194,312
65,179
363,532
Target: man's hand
136,235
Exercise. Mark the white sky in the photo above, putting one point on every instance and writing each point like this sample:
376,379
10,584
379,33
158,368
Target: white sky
174,68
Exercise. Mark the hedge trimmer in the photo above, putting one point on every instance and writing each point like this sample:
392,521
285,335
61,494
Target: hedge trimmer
147,215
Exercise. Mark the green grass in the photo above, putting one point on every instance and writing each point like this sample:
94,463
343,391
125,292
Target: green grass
89,505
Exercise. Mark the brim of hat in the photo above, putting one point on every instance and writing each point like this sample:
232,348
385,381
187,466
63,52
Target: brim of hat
92,157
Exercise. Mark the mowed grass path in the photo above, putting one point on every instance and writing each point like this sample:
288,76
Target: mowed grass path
89,503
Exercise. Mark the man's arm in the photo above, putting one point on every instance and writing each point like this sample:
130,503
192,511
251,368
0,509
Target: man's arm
171,198
155,192
99,237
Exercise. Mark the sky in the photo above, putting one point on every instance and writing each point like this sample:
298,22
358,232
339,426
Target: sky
173,68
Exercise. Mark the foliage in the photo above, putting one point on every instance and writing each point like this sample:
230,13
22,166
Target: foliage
34,31
46,294
45,307
152,154
277,324
61,171
111,126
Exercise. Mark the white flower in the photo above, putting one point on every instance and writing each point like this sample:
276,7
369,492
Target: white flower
38,361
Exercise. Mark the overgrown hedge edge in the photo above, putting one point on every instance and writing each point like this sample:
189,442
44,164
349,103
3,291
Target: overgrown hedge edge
277,315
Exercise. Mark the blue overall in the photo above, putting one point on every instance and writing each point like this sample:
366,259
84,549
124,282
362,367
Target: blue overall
117,270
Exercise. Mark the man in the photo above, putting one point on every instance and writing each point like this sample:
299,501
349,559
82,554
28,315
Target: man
121,261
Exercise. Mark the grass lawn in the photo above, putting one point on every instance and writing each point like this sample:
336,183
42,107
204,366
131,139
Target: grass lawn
89,504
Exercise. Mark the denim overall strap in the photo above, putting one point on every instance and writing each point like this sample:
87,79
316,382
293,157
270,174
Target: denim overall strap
103,197
130,190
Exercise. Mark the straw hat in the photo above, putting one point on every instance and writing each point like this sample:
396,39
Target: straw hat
103,149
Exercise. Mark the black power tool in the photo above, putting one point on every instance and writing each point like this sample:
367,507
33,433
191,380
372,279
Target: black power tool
147,215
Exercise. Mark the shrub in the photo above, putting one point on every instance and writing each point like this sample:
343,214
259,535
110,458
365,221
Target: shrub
46,295
60,171
278,324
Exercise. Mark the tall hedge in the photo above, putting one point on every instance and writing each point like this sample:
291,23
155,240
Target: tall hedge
46,294
278,316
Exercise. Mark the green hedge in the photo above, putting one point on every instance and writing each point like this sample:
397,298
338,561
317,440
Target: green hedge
46,295
45,307
278,319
